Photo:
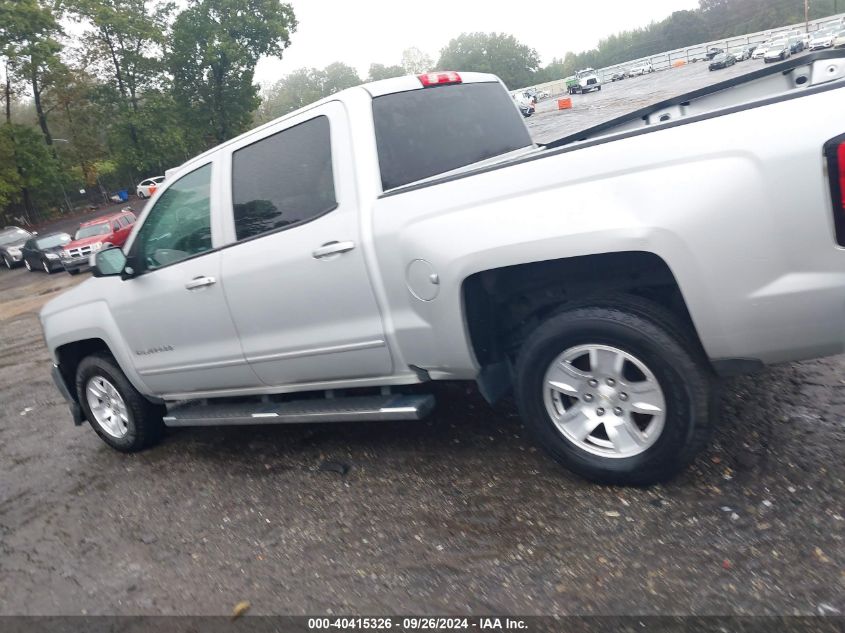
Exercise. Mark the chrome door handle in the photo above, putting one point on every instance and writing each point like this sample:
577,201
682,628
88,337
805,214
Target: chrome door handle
333,248
200,282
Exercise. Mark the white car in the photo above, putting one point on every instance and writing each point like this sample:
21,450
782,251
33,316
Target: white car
822,40
145,186
642,69
760,50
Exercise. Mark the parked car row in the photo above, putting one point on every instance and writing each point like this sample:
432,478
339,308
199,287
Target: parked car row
56,251
780,47
634,71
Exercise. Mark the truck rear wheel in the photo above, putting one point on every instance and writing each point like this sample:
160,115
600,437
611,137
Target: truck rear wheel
615,393
120,415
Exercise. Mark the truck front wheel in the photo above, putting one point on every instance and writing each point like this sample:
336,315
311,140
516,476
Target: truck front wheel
616,393
120,415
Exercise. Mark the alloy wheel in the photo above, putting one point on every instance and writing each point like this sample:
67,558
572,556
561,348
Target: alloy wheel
107,406
604,400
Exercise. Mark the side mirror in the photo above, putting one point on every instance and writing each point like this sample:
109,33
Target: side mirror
108,262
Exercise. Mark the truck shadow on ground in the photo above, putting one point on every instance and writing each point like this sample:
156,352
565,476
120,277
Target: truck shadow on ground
756,427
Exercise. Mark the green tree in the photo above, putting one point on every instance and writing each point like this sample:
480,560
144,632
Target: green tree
305,86
11,183
380,71
415,62
28,33
78,118
123,43
30,177
556,69
291,92
216,45
497,53
682,28
338,76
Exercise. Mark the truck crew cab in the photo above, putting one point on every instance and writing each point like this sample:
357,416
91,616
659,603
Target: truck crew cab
327,265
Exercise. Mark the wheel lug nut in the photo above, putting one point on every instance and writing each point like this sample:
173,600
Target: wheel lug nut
593,382
623,396
611,382
588,397
599,411
618,411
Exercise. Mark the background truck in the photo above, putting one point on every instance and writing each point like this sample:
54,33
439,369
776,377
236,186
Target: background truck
108,230
583,81
328,265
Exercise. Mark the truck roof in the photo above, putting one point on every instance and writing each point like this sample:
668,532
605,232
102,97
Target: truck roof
373,89
105,218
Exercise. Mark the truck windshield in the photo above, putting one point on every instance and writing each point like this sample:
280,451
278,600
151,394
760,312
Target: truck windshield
422,133
92,230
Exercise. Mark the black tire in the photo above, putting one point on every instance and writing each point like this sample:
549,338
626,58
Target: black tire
145,425
73,271
7,261
654,336
45,265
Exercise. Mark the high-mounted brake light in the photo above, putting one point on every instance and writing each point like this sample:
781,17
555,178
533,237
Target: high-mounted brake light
834,150
439,79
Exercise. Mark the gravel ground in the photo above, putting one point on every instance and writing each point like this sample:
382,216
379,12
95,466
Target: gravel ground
456,514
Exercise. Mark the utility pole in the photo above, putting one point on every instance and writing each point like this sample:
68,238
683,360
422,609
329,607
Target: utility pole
807,16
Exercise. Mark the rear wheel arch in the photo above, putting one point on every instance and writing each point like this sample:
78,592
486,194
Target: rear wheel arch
502,306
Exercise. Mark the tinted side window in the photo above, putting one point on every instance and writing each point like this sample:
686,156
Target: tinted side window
179,224
124,221
283,180
422,133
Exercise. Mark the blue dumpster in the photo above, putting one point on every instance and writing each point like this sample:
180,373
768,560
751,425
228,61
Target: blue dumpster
123,194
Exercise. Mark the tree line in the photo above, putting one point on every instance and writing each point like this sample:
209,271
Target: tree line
102,93
99,94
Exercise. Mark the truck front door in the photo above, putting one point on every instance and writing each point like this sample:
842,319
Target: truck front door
172,314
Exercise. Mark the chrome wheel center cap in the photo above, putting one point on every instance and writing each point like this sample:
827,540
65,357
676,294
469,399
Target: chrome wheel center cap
607,394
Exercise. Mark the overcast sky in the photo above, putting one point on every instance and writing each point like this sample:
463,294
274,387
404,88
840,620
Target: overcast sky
360,32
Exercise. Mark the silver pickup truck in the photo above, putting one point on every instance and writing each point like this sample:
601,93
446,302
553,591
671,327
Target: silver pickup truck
329,264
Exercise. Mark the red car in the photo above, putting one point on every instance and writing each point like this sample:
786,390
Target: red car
93,235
